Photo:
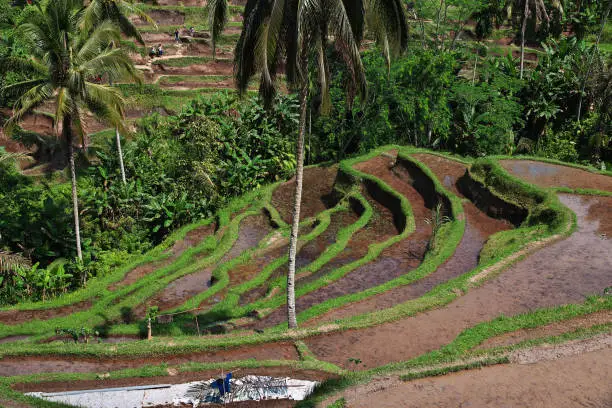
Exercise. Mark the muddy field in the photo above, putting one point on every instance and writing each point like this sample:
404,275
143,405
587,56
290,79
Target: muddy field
562,277
554,175
579,380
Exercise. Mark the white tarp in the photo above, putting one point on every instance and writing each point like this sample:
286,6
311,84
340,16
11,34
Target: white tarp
247,388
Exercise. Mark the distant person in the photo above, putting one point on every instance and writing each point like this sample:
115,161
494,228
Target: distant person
191,31
152,52
160,50
176,35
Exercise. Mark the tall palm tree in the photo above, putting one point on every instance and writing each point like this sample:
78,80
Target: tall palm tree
118,12
530,7
294,34
63,60
217,19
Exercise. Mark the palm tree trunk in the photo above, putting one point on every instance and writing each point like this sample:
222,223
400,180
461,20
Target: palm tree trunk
523,29
121,167
66,129
214,48
297,203
604,19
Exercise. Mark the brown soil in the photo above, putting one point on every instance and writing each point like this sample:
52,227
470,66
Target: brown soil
10,366
317,188
564,272
554,175
553,329
579,380
478,228
163,18
11,317
208,68
175,378
252,230
192,238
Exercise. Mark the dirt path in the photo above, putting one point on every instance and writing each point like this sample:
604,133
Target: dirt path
479,227
564,272
579,380
554,175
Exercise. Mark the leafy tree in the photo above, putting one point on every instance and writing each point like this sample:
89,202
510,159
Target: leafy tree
64,58
533,8
297,33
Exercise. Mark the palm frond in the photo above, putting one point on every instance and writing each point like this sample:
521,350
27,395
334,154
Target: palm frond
217,19
386,18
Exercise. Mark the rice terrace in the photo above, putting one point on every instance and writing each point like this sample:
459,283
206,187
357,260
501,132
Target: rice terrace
322,203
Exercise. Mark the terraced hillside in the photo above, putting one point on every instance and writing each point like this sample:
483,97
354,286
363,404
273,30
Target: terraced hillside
410,262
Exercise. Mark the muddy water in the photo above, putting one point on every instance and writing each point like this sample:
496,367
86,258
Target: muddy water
553,175
564,272
252,230
11,366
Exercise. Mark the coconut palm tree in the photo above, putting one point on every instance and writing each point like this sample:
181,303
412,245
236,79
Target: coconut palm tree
217,19
64,59
116,11
536,8
293,35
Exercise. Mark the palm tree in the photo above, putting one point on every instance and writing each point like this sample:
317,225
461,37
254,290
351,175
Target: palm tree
63,60
217,18
116,11
539,9
292,34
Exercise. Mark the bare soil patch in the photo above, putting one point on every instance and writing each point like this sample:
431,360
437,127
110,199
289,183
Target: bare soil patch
564,272
553,329
10,366
10,339
316,193
163,18
554,175
220,67
573,381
